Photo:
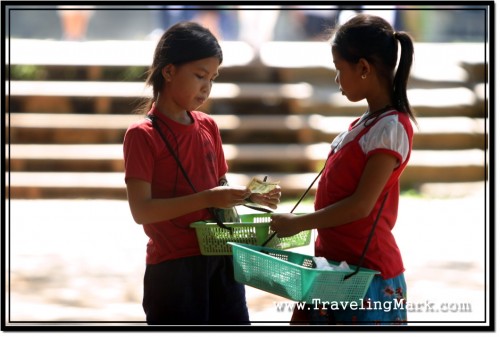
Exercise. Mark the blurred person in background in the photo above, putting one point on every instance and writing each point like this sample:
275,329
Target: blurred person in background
75,21
220,20
315,22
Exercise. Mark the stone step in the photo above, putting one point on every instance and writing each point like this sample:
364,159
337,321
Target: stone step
432,132
71,185
265,157
111,185
437,102
437,133
435,64
451,63
107,53
299,98
58,96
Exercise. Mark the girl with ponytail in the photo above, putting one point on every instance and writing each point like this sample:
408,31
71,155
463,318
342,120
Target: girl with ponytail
357,197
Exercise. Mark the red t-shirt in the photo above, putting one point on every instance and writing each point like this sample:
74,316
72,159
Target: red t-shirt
391,133
199,148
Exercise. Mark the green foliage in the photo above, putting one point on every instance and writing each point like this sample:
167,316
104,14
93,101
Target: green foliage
27,72
134,74
411,193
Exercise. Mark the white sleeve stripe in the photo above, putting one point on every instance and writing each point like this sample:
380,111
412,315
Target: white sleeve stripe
388,134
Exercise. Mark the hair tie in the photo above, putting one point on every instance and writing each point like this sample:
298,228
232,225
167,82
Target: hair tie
394,34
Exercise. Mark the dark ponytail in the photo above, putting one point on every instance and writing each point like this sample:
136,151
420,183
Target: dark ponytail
399,96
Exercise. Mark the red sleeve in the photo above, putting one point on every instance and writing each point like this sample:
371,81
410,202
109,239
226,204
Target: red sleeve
138,151
223,167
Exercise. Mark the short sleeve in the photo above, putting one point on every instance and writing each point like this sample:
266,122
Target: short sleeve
388,135
138,151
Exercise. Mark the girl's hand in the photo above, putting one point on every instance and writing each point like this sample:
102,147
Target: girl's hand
228,196
270,199
285,224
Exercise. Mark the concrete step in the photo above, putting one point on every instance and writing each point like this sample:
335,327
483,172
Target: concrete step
452,63
32,185
107,53
298,98
63,96
437,102
22,153
435,64
111,185
72,185
109,157
425,165
432,132
66,185
436,133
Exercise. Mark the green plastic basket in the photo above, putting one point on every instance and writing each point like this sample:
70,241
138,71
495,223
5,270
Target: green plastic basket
292,275
253,229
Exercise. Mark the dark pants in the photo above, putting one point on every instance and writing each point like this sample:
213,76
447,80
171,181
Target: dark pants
194,290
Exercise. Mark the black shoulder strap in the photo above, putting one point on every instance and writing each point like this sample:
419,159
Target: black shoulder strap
362,258
170,149
184,173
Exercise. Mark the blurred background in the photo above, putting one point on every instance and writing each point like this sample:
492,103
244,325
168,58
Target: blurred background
75,78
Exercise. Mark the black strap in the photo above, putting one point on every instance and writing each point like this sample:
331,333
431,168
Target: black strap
294,207
152,118
260,209
368,240
170,149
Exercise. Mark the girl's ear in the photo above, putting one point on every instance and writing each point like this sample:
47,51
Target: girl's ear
167,72
364,67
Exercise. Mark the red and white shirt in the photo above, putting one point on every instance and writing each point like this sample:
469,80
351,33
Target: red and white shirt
391,133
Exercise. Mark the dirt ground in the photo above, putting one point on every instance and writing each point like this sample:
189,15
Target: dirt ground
81,261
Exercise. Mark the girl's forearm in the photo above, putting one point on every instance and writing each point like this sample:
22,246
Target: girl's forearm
154,210
358,205
340,213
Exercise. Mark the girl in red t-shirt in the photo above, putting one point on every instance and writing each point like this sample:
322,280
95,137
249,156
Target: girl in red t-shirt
361,174
180,285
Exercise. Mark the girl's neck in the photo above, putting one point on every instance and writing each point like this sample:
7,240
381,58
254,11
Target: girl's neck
378,98
378,110
371,114
181,116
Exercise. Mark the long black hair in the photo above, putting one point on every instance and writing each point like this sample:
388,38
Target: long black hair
373,38
182,43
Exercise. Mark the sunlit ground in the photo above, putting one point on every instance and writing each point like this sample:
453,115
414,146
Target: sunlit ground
84,261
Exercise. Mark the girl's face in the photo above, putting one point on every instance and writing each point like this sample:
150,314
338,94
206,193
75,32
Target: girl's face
189,85
348,77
